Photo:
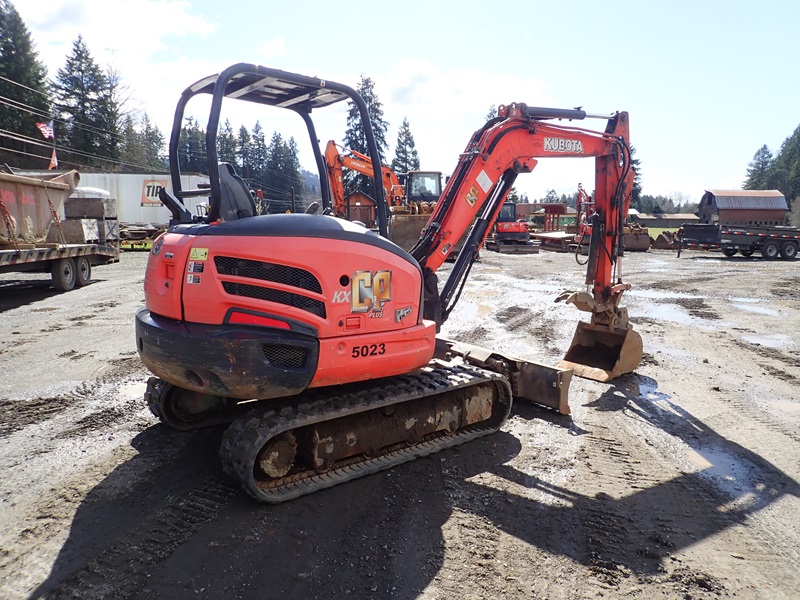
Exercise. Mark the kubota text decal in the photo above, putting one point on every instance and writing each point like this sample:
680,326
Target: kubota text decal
563,145
370,291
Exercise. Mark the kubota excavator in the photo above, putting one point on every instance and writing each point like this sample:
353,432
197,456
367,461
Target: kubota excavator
315,338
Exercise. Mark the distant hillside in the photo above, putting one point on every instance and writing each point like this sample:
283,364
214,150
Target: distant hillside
311,183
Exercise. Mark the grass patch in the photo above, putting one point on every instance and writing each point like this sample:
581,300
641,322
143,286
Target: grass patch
136,245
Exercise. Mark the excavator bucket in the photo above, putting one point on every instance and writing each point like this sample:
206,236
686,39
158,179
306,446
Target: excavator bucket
602,355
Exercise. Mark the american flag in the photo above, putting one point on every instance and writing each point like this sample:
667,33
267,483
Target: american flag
46,129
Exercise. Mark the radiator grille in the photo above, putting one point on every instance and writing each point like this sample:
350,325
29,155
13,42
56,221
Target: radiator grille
265,271
315,307
288,357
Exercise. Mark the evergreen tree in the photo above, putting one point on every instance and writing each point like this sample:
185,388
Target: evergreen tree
226,144
284,176
758,171
355,137
293,171
405,155
636,192
243,148
27,101
88,109
192,148
258,157
491,114
154,143
133,154
141,148
786,169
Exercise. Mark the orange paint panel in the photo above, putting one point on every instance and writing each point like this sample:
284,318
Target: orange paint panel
363,357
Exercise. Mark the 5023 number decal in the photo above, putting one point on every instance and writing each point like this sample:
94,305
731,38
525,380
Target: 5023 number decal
369,350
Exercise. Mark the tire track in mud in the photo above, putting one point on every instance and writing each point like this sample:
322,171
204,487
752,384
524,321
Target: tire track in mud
121,570
637,512
16,415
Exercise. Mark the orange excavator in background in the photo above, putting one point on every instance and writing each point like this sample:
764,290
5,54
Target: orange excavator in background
315,338
410,196
337,158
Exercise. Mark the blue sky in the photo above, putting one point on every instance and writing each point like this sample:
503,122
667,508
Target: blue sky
706,83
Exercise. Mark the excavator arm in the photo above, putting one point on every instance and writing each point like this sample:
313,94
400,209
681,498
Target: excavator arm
495,155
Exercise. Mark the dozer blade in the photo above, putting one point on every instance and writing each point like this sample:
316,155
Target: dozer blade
602,355
530,381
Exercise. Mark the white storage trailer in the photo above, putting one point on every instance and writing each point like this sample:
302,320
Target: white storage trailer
137,193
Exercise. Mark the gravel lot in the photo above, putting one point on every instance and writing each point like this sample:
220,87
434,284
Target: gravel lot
678,481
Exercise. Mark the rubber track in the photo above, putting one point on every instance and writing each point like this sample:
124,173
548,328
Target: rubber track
247,435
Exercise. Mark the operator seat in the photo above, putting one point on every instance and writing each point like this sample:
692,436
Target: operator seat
236,201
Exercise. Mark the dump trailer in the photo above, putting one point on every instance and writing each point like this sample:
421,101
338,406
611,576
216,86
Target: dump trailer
35,235
771,242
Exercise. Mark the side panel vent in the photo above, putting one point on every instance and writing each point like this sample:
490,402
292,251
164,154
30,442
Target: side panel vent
316,307
265,271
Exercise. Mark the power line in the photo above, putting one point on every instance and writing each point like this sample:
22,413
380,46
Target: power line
25,87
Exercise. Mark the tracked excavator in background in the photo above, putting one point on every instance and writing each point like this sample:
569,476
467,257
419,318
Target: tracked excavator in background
410,196
315,338
404,192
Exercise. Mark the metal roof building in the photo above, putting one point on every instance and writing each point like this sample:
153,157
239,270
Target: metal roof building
743,207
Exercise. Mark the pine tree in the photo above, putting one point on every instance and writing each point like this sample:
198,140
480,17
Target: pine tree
226,144
284,176
293,170
133,154
243,149
786,168
758,171
141,148
192,148
153,141
88,108
258,157
28,102
636,192
355,136
405,155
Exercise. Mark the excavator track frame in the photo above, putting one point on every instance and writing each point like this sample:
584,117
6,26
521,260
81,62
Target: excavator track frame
244,440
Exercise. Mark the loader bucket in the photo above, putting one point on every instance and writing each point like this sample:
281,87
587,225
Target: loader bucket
602,355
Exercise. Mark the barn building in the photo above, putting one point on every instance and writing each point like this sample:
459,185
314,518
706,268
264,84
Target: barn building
743,207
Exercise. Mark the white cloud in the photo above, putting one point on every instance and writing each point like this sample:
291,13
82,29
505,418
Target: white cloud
272,48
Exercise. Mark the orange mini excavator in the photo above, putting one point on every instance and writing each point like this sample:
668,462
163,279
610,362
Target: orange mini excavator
315,338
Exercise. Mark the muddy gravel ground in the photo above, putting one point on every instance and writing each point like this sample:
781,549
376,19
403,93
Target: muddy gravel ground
677,481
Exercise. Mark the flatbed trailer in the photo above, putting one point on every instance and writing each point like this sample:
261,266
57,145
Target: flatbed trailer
772,242
32,209
69,265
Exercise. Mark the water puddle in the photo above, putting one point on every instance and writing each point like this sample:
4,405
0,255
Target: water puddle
779,341
729,473
759,310
133,390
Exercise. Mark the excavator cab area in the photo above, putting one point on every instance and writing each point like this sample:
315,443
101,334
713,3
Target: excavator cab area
423,187
228,196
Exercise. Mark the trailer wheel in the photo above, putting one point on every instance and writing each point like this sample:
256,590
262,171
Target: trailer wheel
747,251
770,249
728,251
788,250
84,269
64,274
